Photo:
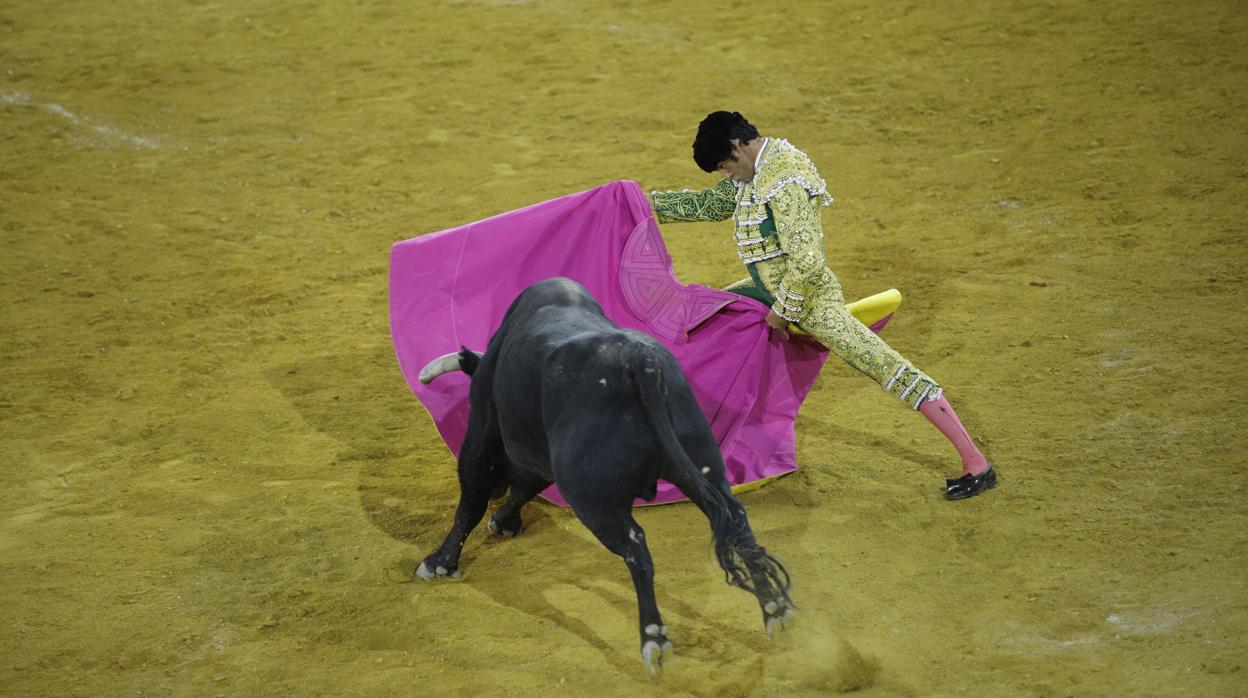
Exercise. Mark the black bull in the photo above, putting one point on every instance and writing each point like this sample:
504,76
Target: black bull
564,395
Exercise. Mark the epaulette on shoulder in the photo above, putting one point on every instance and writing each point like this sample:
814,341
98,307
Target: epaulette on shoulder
787,165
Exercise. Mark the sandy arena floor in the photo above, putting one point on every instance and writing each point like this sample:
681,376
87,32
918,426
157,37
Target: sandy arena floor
215,481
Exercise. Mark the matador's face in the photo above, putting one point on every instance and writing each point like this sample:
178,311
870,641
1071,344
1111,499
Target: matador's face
738,167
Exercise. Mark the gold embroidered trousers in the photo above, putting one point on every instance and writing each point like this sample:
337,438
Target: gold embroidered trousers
831,324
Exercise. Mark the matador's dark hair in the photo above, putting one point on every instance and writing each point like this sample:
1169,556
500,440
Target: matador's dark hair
712,146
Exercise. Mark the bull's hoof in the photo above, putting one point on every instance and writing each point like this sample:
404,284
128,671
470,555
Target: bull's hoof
656,649
427,571
655,656
505,530
777,615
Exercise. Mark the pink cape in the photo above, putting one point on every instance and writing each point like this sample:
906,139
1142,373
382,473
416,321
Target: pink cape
452,288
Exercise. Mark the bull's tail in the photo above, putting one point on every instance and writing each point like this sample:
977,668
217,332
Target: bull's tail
464,360
746,564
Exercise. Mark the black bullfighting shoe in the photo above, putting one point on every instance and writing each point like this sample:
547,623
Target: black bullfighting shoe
970,485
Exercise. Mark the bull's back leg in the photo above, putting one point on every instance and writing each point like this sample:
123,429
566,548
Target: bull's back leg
747,564
608,515
480,459
506,521
768,579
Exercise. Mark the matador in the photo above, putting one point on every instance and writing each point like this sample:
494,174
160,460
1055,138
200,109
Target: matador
774,194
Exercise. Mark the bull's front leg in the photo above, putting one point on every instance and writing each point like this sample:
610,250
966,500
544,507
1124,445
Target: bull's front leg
475,482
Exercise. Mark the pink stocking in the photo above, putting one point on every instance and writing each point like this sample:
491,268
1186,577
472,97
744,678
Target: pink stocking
940,413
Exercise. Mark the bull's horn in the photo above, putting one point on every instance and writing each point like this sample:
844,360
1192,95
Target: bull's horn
440,365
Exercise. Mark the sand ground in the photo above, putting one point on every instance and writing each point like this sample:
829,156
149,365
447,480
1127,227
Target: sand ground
215,481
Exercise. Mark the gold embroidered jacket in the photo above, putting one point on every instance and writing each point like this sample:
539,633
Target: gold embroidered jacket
776,215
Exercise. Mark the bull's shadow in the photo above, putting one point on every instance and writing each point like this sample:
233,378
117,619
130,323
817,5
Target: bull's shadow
408,488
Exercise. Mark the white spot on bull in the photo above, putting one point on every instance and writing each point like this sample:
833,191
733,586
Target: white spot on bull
653,629
649,370
635,535
603,381
706,470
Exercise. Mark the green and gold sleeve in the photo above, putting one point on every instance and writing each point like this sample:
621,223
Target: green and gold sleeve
714,204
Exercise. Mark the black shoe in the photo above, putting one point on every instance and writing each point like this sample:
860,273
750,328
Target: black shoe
970,485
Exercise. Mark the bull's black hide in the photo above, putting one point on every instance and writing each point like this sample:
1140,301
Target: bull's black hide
563,395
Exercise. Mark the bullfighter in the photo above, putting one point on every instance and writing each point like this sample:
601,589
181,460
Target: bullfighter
773,193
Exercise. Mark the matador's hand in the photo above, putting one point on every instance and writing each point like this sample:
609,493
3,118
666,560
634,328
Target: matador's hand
778,324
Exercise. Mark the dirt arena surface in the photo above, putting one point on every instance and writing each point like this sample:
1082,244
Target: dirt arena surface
215,481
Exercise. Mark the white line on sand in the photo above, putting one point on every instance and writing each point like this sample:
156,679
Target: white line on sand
23,98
